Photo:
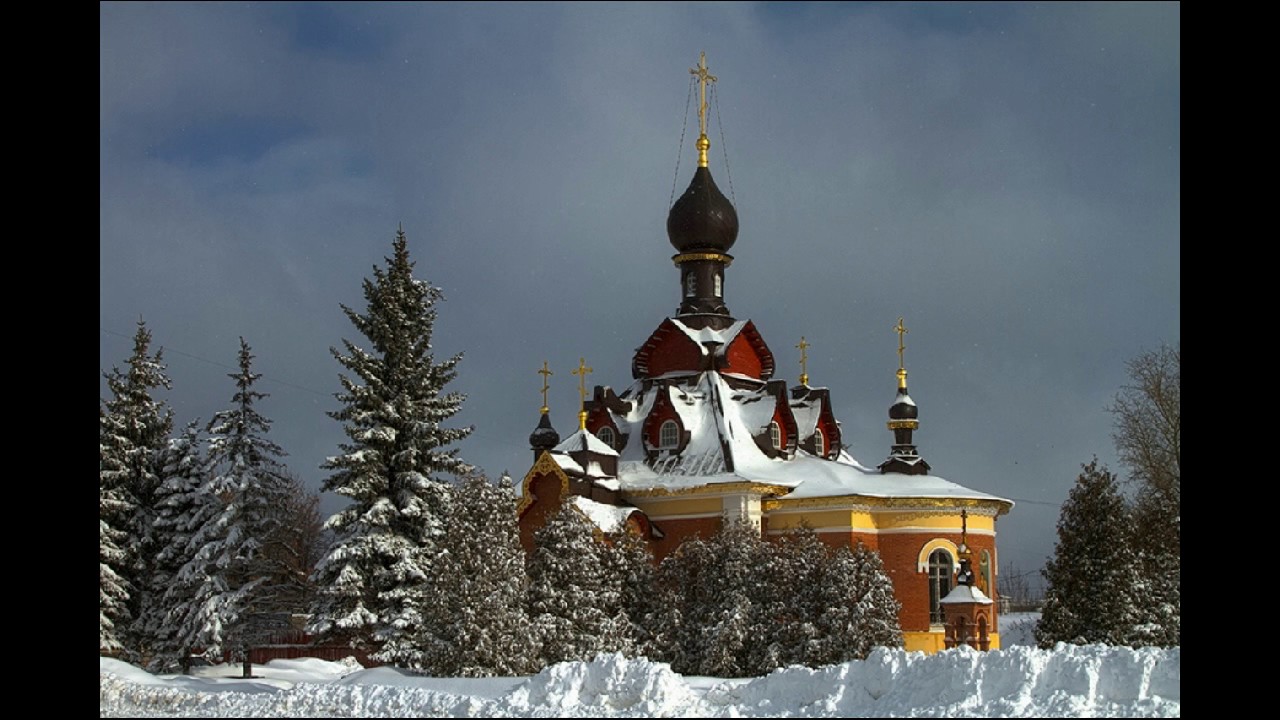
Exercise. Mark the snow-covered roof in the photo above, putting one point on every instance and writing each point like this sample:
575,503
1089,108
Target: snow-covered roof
719,418
706,335
966,594
583,440
608,518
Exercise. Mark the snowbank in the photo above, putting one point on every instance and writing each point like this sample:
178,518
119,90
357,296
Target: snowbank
1092,680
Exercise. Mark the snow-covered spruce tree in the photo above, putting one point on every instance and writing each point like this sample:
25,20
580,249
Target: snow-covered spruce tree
183,507
574,602
856,610
372,582
478,625
639,594
113,588
134,430
716,587
234,584
1090,596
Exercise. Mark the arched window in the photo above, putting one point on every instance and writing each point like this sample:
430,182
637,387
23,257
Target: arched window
668,435
940,573
718,285
690,284
775,435
606,435
819,443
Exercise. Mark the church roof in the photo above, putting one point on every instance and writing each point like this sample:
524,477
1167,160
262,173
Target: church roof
966,594
723,423
609,518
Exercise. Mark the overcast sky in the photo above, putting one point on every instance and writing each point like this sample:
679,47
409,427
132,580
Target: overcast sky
1004,176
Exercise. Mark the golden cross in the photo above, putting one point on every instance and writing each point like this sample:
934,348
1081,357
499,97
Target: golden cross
545,373
804,359
704,77
582,372
901,330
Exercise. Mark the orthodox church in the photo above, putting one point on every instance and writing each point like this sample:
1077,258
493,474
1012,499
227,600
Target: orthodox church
705,434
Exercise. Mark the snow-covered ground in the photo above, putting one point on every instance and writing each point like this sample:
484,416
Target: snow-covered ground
1019,681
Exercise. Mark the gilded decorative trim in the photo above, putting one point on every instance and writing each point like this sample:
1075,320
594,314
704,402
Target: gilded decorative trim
544,465
692,257
903,424
715,490
868,503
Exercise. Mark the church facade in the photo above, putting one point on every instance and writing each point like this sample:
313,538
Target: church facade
706,434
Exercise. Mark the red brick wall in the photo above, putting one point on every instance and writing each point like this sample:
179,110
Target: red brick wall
742,358
545,489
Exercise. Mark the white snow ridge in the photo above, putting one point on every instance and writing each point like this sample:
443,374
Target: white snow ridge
1022,681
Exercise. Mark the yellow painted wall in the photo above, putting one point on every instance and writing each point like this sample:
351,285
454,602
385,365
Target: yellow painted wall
932,642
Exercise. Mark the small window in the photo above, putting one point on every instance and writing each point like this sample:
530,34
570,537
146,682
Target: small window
669,435
718,286
606,435
819,443
690,284
940,572
775,435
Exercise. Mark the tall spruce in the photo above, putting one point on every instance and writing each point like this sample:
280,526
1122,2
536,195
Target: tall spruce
639,594
183,507
373,581
575,603
234,584
478,625
134,429
1093,577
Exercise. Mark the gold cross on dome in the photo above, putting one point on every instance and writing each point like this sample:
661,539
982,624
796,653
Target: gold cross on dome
582,373
804,361
901,330
545,372
704,77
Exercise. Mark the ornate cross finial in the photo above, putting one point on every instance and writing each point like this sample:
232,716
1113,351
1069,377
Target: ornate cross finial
964,532
901,329
545,372
804,360
582,373
704,77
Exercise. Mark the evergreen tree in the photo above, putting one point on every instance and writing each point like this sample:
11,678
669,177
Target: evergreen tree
639,594
717,592
233,583
373,580
1093,577
133,432
113,588
857,610
182,509
574,599
478,625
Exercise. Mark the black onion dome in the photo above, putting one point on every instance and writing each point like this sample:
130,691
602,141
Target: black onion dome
904,408
702,219
544,437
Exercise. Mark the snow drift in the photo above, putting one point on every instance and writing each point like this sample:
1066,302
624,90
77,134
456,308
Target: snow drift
1021,681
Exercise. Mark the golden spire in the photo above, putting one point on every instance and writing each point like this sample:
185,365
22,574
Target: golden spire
804,360
704,77
545,373
581,372
902,369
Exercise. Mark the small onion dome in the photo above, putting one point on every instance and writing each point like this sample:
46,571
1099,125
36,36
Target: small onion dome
904,408
544,437
702,219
